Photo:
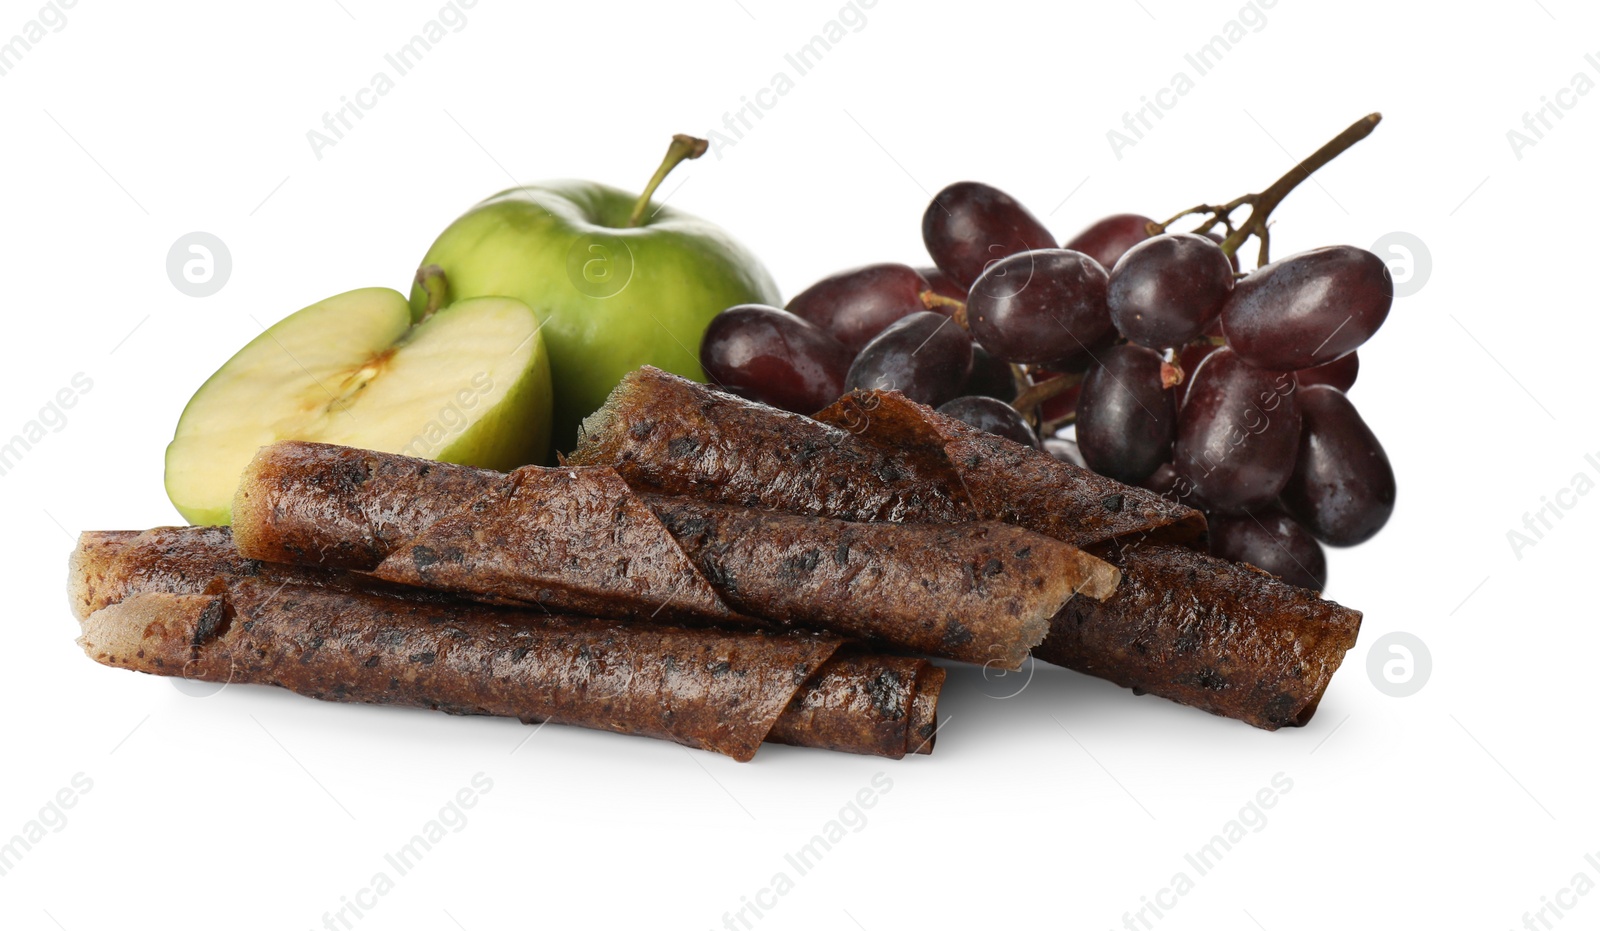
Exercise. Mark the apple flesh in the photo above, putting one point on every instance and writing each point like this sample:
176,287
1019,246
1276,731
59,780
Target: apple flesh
611,296
469,384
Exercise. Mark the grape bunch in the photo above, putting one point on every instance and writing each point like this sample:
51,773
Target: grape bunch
1142,354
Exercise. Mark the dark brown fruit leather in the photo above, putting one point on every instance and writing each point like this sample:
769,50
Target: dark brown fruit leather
715,690
577,539
111,565
367,503
1221,636
671,435
865,700
978,592
574,540
1018,484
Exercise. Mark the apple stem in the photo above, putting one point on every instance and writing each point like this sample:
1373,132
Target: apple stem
683,147
430,278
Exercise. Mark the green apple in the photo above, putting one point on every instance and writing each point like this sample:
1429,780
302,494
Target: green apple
617,285
469,384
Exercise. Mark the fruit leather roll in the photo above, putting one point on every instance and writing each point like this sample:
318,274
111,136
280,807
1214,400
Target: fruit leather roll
1221,636
572,540
721,691
549,536
345,508
109,566
1017,484
874,456
978,592
679,437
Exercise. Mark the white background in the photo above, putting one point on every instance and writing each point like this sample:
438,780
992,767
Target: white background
1462,806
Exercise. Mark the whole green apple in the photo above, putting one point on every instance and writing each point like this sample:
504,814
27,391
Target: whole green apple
615,285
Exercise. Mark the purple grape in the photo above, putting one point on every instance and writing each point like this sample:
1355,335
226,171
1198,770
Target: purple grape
970,225
1269,539
854,306
1166,290
1106,240
991,416
772,356
1126,419
924,356
1340,373
1167,482
1343,487
990,377
1238,432
1308,309
1040,307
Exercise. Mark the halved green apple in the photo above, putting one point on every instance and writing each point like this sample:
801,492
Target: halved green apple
469,384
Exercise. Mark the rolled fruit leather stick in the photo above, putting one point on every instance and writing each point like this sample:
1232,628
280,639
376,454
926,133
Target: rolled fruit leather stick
347,641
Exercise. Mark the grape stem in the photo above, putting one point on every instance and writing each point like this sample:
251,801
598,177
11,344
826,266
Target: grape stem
683,147
933,300
1036,394
1263,203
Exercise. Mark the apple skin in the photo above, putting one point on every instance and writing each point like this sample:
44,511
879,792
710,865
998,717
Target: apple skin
610,297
